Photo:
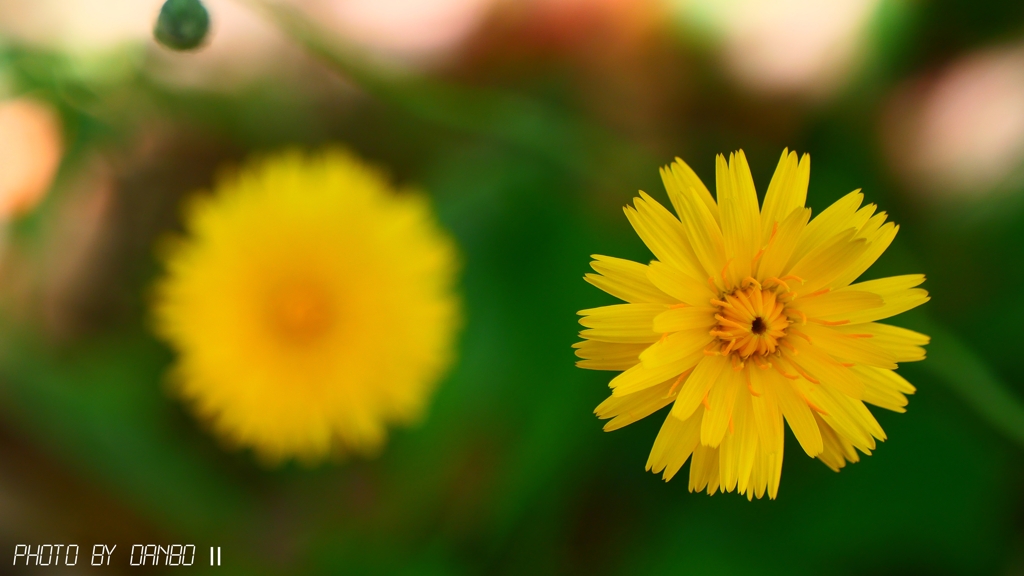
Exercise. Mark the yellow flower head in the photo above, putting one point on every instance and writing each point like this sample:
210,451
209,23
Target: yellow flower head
746,317
310,306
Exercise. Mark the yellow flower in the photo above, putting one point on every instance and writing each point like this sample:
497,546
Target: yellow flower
310,306
748,316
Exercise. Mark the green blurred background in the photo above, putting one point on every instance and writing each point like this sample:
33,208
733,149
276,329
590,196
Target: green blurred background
531,123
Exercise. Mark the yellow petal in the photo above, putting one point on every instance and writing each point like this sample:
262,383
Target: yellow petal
836,305
848,416
640,376
774,471
786,192
898,293
904,345
837,218
675,443
626,280
780,248
826,262
628,409
663,234
836,449
884,388
798,415
878,393
683,288
848,346
702,230
744,438
623,323
704,469
818,367
685,318
741,219
878,241
697,385
767,414
681,180
608,355
677,347
721,398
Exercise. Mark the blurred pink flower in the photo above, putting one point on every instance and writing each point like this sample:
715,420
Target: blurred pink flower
408,29
78,25
30,152
805,47
962,132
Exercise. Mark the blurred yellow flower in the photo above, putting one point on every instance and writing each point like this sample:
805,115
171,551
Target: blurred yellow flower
310,306
747,316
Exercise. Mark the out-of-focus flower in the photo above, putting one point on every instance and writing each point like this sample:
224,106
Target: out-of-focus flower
78,25
409,29
802,47
960,133
242,44
30,153
310,305
748,316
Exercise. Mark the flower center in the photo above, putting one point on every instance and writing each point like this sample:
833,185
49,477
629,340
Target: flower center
301,312
751,322
758,326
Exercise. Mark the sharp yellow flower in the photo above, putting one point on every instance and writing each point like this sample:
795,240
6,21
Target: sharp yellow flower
748,316
310,306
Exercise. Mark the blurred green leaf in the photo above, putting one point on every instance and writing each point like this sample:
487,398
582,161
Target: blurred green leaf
101,408
951,361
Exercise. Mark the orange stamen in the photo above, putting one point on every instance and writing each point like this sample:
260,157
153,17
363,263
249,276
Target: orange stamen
728,347
750,384
803,317
737,364
775,281
829,322
804,373
724,269
675,385
818,292
784,373
814,406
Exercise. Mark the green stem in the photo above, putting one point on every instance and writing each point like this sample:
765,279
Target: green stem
954,363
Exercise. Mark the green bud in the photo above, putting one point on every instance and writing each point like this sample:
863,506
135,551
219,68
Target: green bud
182,24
